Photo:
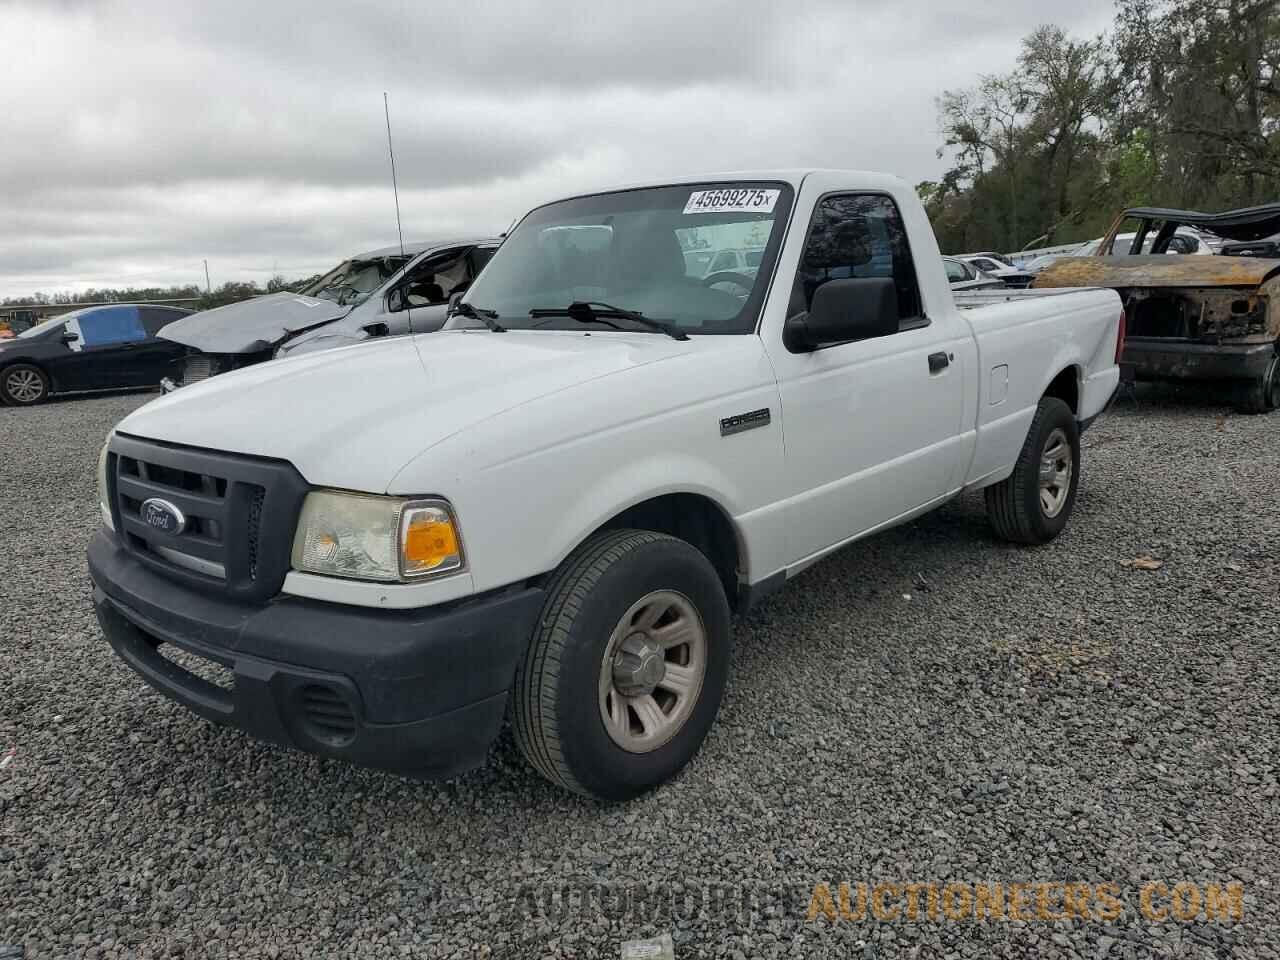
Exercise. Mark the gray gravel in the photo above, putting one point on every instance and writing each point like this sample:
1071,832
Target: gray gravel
1027,715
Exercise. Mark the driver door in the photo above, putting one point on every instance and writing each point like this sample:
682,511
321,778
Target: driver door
872,427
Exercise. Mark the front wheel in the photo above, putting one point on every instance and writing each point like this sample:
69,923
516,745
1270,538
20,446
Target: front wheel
23,385
1033,503
627,665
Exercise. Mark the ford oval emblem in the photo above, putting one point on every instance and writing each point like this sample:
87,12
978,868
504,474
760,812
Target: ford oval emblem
163,516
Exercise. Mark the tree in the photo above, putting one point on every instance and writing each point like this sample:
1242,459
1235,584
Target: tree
1178,106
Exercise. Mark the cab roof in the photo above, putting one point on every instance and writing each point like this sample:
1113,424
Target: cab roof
420,246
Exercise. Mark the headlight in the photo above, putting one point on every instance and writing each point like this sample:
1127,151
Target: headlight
104,498
376,538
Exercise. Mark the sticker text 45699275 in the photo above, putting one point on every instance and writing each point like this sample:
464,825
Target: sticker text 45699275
732,200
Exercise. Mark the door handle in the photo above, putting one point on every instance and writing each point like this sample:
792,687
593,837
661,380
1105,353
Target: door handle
938,361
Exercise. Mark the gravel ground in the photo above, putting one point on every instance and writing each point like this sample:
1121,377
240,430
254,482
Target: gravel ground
1026,715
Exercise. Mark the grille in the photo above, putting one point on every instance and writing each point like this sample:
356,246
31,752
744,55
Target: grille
328,714
237,514
198,367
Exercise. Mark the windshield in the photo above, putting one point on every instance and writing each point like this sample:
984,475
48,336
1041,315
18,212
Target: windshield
353,281
42,328
646,250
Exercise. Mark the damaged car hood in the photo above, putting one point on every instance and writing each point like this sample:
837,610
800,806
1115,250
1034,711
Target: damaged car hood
1156,271
252,326
342,416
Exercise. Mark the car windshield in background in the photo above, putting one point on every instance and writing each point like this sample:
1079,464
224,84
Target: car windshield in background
651,251
352,282
42,328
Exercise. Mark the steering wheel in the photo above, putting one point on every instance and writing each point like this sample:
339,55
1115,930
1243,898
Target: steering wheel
727,276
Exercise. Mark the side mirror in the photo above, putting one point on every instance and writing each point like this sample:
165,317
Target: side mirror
454,299
69,338
844,310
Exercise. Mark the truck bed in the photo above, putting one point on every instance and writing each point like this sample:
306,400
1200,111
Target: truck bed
972,299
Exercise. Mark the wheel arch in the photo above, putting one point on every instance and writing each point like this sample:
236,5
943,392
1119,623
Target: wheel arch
1066,386
7,362
694,517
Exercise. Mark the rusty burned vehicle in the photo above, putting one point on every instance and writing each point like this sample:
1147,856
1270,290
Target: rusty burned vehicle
1214,318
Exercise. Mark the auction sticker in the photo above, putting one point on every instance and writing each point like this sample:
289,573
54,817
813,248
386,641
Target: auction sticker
732,200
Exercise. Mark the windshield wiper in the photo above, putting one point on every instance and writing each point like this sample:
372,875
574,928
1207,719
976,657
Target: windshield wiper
593,311
487,317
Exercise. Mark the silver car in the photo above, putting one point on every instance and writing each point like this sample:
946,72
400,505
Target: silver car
965,276
376,294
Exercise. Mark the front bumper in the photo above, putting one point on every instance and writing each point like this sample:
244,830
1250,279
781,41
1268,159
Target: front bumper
1155,358
418,692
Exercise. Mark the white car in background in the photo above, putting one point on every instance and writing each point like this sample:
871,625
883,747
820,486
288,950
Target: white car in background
965,276
745,261
1000,266
1183,241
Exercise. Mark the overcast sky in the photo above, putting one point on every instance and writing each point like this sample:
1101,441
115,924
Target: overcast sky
140,137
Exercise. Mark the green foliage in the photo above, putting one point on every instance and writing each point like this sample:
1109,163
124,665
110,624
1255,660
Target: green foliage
1178,106
230,292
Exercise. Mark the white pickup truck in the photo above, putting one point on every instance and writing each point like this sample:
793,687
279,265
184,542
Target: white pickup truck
551,509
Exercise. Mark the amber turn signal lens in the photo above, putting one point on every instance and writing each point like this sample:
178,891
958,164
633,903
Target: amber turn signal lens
429,541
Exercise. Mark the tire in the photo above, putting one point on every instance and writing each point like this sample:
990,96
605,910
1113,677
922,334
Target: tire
564,696
1262,393
1015,506
23,385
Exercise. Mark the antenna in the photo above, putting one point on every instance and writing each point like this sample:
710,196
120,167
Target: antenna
395,190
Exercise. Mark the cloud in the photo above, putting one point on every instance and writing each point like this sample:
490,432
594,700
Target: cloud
143,137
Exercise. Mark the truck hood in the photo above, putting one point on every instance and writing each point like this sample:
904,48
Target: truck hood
252,326
352,417
1157,271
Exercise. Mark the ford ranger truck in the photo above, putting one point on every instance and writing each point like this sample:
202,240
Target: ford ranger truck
552,509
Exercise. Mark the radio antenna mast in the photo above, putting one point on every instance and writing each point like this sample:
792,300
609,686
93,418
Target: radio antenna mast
395,190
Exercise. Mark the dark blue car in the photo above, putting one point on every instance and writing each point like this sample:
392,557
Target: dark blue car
97,348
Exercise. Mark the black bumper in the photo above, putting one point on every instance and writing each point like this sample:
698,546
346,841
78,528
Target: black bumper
1153,358
418,692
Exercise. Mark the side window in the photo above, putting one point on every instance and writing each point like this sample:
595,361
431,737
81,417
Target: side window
725,260
479,257
110,326
854,236
432,280
985,265
956,272
155,319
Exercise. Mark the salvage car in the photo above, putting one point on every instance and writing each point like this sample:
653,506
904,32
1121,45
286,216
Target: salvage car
381,293
551,509
1208,318
97,348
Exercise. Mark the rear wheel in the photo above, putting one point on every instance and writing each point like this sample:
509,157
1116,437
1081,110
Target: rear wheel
23,385
627,666
1262,393
1033,503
